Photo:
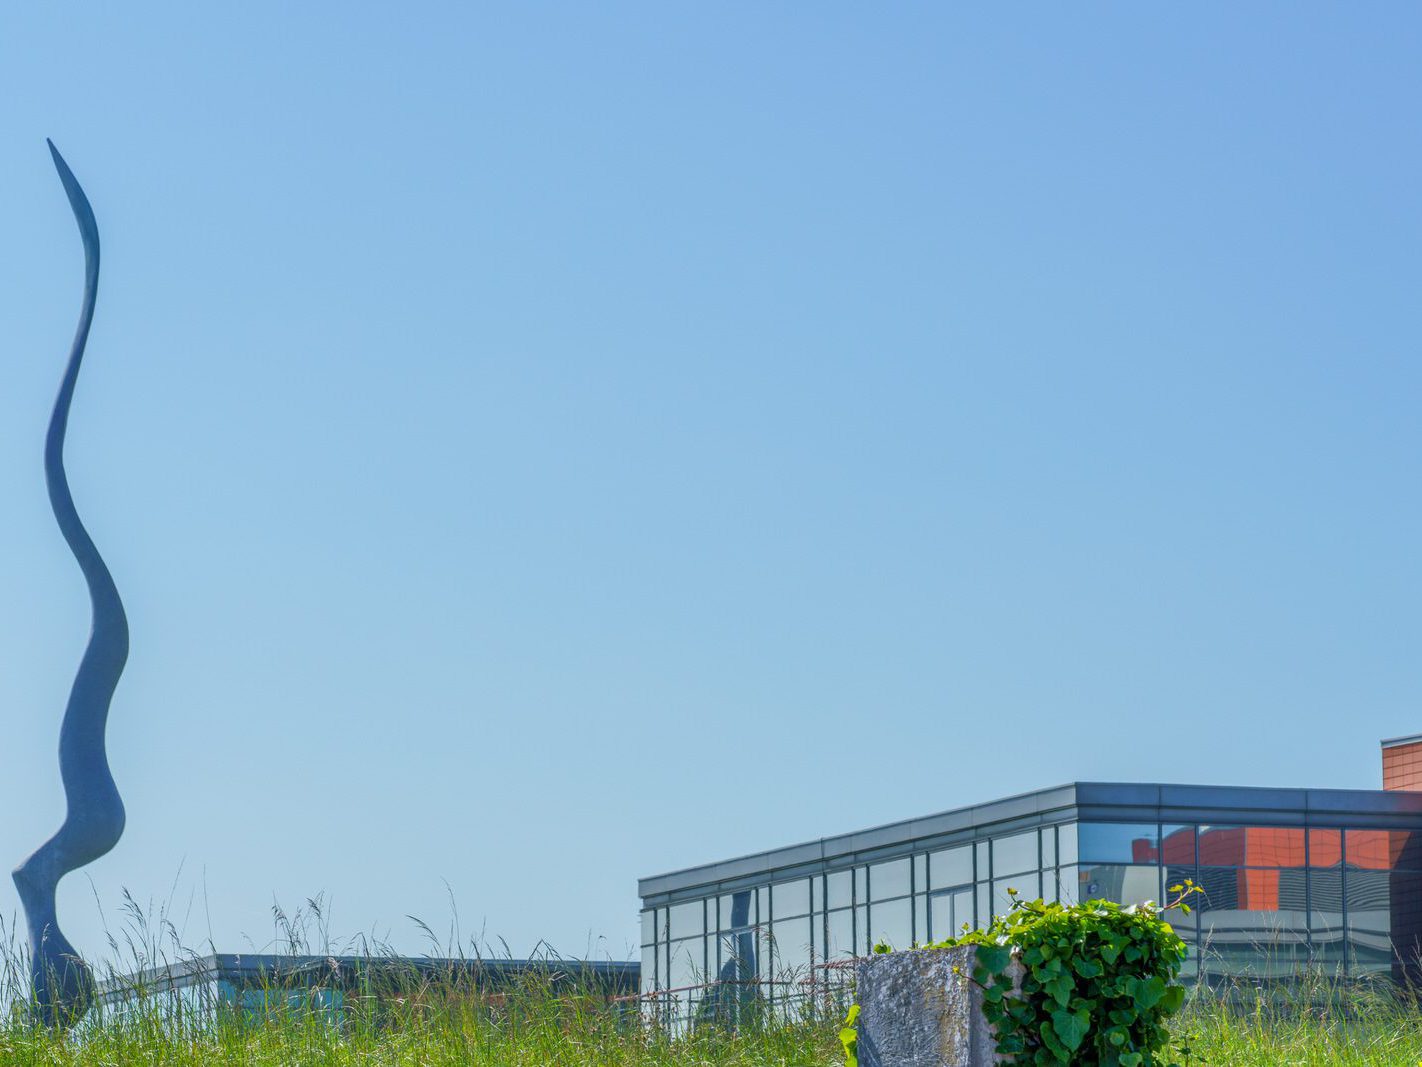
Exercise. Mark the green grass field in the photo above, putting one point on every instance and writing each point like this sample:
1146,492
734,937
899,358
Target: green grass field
537,1026
550,1021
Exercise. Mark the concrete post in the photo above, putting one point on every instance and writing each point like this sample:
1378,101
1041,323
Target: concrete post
921,1008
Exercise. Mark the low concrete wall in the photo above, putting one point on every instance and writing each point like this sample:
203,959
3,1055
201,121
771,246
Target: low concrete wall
921,1008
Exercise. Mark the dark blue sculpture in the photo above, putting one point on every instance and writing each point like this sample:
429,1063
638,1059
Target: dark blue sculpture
94,818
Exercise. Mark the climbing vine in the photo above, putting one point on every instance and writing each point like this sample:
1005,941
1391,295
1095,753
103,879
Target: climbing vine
1098,981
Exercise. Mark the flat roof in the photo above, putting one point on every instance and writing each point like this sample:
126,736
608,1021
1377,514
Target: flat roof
258,967
1093,801
1393,742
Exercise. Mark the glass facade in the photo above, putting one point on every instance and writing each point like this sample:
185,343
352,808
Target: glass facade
1275,899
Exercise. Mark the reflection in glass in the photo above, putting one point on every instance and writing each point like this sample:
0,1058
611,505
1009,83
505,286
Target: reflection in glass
839,889
687,920
1325,848
1243,928
862,944
1119,882
892,921
649,926
649,968
890,879
688,966
1067,851
1383,850
791,941
1014,854
1049,846
1118,842
1177,845
734,991
1069,884
1367,900
841,935
920,918
1025,886
949,912
1251,846
790,898
1325,919
951,867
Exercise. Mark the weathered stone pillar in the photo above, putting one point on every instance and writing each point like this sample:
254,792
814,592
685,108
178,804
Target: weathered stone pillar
921,1008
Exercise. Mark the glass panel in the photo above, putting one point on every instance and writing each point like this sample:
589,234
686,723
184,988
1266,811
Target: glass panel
649,926
1367,898
1069,884
949,912
1325,918
817,893
1325,848
889,879
1118,842
688,965
737,957
1184,925
920,873
1024,884
1383,850
1119,882
982,894
1177,845
1015,854
791,939
862,944
951,867
649,968
738,910
841,935
892,922
1067,851
790,898
1243,929
984,868
861,889
687,920
839,887
1251,846
1049,846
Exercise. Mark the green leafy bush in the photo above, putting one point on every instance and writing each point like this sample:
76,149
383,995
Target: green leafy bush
1098,982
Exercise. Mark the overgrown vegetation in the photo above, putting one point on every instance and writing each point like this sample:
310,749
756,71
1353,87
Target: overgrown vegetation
546,1019
1093,983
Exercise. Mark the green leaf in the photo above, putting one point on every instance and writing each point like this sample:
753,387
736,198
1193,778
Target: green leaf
1071,1027
994,957
1087,967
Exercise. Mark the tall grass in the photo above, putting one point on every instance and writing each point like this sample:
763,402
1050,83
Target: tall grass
1314,1020
556,1015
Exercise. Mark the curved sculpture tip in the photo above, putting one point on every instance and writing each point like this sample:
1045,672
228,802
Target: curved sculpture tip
83,213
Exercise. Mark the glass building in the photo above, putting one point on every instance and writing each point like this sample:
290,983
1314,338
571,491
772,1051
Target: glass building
1291,878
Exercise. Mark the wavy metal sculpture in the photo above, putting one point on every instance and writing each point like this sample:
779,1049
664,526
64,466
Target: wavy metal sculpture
94,818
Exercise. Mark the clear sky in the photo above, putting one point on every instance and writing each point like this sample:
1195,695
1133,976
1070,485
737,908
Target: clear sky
545,445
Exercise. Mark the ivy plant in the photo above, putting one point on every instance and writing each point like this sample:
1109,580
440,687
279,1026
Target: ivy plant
1098,982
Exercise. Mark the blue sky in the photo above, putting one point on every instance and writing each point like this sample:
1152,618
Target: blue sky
546,445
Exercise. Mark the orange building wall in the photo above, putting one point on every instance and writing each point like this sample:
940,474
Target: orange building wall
1402,765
